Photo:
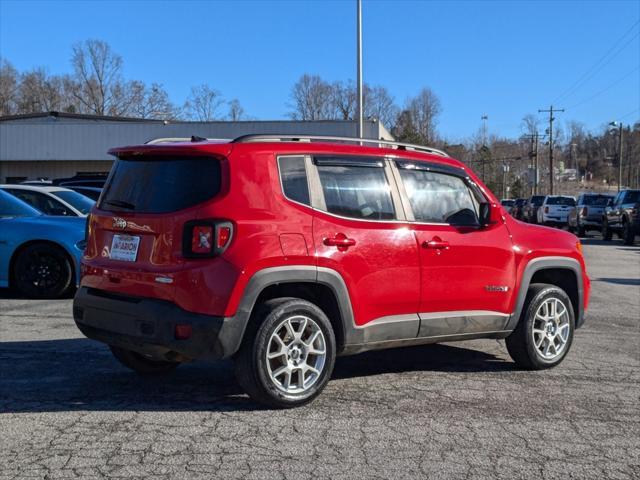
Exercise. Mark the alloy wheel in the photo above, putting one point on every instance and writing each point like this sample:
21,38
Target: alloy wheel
551,328
296,354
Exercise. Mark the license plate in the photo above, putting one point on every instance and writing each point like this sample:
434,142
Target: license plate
124,248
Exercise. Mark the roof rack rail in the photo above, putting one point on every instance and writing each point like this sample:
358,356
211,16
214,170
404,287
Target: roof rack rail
321,138
193,138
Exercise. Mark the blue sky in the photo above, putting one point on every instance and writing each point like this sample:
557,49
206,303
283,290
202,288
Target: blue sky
502,58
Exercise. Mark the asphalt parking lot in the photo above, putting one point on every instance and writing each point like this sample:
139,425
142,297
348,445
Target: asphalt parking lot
69,410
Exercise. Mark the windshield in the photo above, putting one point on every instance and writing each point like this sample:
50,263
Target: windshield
10,206
76,200
596,200
160,184
565,201
632,196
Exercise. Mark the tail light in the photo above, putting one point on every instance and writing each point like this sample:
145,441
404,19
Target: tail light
206,238
546,209
585,210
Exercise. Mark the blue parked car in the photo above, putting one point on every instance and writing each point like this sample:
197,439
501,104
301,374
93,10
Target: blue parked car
39,255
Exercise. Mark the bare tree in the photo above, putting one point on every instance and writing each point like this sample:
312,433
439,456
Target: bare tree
236,112
99,87
380,104
8,88
530,124
344,100
203,103
312,99
152,102
424,109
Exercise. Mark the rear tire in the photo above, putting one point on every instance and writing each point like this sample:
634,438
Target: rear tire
542,338
141,364
581,231
42,270
288,353
607,234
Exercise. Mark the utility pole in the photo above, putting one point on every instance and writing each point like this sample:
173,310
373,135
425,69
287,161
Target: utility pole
359,75
534,137
619,125
551,119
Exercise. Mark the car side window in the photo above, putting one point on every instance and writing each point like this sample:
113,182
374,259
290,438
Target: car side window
435,196
355,189
293,177
42,202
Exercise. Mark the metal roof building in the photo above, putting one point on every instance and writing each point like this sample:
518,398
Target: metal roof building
53,144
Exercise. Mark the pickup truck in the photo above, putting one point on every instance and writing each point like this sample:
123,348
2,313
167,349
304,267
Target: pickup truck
622,217
555,210
587,214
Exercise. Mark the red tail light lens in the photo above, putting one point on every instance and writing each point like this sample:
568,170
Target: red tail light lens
546,209
206,238
183,331
202,239
585,210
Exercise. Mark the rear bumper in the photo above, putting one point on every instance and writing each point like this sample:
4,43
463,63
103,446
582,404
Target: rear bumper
148,326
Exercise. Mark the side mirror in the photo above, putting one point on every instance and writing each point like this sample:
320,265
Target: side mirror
485,214
463,218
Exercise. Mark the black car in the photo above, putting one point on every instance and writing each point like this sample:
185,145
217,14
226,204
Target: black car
530,209
517,209
622,217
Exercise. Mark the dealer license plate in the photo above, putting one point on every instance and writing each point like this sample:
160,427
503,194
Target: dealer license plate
124,248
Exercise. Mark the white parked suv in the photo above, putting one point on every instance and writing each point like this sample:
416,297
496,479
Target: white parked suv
555,210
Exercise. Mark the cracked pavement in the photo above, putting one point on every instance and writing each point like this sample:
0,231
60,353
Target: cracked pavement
460,410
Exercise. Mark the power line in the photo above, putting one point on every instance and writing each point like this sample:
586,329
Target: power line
588,99
596,67
629,114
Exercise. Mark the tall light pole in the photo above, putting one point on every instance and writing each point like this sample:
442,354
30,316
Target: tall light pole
484,119
359,75
619,125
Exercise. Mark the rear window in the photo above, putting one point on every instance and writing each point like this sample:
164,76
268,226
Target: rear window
161,184
596,200
565,201
537,200
76,200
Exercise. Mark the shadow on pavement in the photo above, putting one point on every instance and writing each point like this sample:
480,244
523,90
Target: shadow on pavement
620,281
79,374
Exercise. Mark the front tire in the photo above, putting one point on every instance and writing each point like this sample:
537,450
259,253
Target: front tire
607,234
288,354
628,235
544,333
42,270
141,364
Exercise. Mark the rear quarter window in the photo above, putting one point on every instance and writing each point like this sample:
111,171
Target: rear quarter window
161,184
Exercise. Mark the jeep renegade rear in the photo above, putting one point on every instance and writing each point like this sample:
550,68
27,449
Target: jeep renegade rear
282,253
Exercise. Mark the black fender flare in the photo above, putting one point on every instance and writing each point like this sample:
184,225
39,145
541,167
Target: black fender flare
545,263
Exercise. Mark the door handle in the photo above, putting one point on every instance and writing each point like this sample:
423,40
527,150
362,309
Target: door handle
340,240
436,243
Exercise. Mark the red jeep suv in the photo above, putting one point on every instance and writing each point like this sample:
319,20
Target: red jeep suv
283,252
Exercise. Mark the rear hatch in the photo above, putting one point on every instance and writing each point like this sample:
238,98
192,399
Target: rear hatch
135,233
559,207
594,206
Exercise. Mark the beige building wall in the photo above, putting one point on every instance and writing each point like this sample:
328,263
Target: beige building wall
50,169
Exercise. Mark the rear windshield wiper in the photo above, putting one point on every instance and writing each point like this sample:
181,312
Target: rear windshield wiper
121,204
